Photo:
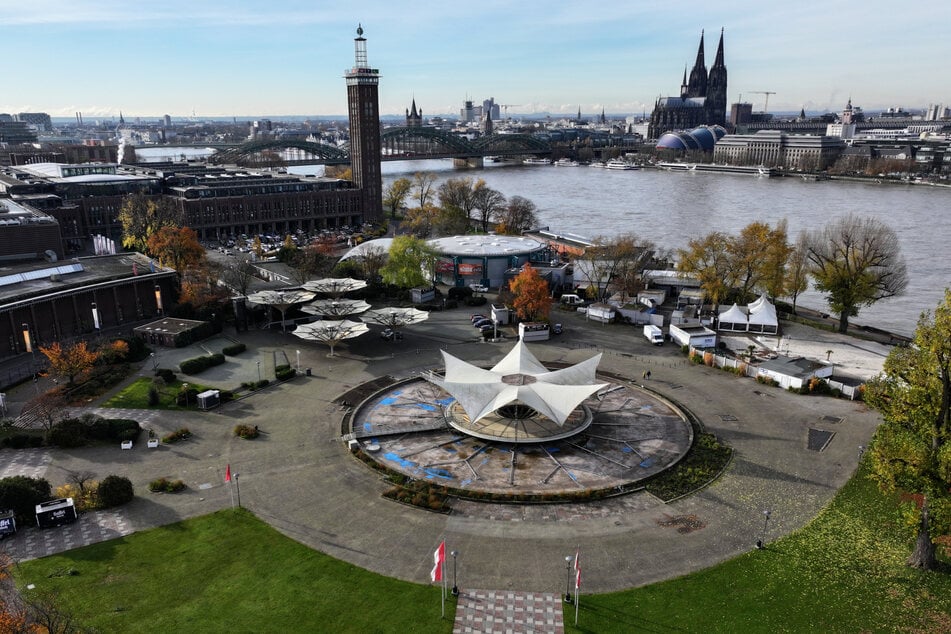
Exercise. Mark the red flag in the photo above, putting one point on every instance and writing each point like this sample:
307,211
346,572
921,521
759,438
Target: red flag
439,557
577,570
228,473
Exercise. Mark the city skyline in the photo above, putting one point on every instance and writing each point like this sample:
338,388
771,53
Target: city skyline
243,58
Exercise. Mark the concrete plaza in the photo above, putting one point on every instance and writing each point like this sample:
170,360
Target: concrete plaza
299,477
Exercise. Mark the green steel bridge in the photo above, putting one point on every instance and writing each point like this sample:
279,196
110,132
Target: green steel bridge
397,144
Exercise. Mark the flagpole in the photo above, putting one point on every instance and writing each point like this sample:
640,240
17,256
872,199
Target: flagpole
236,486
577,582
232,495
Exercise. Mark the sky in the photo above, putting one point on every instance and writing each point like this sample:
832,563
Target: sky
286,57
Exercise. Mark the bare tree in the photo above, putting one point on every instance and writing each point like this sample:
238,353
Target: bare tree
797,271
372,261
616,263
80,478
519,215
238,275
856,261
423,187
488,202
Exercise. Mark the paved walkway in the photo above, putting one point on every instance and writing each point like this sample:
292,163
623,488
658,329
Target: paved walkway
508,612
299,477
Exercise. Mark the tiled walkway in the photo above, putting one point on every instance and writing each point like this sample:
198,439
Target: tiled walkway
507,611
90,528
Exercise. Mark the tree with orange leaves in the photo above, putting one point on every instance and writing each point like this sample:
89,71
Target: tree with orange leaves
200,287
532,300
177,248
70,361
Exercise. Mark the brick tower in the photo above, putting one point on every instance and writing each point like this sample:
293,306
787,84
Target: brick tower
363,101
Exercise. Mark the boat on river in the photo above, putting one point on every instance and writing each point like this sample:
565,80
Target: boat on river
566,162
536,161
618,164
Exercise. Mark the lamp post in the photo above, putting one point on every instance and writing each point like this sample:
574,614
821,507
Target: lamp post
154,360
568,582
761,542
298,361
185,387
455,588
259,371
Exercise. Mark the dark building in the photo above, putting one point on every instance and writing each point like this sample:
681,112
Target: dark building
414,118
702,99
364,109
40,119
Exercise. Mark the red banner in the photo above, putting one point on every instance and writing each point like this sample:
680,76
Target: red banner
470,269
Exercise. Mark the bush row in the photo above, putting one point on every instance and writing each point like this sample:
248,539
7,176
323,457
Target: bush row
284,372
232,350
179,434
200,364
247,432
164,485
76,432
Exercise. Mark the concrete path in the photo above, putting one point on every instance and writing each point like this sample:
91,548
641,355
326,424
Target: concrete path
299,477
507,612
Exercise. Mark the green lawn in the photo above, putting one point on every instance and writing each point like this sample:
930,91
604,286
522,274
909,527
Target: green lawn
228,572
844,572
136,396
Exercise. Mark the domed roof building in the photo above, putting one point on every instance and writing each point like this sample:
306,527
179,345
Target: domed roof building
703,138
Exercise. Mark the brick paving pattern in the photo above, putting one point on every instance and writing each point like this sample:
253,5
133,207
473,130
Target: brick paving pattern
508,612
24,462
90,528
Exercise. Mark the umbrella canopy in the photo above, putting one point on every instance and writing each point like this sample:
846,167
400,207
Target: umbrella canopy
335,286
396,317
281,300
331,332
336,307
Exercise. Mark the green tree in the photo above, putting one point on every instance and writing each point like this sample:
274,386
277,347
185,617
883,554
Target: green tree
423,183
21,494
911,450
616,263
759,253
410,262
141,216
532,300
395,195
856,262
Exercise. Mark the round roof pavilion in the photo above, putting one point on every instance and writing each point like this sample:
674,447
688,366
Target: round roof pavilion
479,246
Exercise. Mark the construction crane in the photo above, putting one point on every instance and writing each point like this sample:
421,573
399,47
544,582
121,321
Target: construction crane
767,93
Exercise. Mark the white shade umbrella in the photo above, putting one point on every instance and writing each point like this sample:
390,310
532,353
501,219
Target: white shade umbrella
281,300
335,286
336,307
395,317
331,332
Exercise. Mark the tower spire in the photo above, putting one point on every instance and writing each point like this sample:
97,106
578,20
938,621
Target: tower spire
718,62
697,84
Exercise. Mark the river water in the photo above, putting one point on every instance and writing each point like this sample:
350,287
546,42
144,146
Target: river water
669,208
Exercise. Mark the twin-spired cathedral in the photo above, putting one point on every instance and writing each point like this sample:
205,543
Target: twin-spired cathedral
702,99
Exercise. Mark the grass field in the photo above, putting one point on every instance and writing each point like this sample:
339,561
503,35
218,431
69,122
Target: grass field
136,396
844,572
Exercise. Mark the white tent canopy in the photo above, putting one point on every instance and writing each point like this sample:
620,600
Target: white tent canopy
763,317
519,378
733,319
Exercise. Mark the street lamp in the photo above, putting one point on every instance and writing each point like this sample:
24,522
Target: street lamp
568,582
761,542
154,360
259,371
298,361
185,387
455,588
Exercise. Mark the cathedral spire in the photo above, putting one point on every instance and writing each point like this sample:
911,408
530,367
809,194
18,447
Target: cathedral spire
697,84
700,63
718,62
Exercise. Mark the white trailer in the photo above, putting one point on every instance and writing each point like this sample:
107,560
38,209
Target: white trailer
697,336
654,334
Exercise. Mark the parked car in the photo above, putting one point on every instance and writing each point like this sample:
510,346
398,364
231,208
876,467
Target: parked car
482,322
479,288
556,329
476,317
490,327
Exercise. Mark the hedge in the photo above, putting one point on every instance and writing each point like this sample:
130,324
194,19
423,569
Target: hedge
237,348
114,491
200,364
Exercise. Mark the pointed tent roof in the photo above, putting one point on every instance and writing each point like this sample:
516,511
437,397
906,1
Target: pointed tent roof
521,378
733,315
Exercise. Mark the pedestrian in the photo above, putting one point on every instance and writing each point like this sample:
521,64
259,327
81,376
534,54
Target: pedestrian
648,375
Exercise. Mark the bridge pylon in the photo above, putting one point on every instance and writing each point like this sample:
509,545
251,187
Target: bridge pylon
470,162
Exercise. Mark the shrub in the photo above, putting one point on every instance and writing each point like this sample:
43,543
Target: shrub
284,372
226,395
200,364
83,499
154,397
261,383
247,432
179,434
67,433
232,350
479,300
22,441
166,375
21,494
114,491
164,485
187,397
457,293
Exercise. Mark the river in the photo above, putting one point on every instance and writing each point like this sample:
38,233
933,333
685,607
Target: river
669,208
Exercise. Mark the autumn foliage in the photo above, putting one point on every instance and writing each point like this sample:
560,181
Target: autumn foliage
532,300
176,247
69,362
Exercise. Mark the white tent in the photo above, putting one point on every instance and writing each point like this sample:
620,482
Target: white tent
519,378
763,317
733,319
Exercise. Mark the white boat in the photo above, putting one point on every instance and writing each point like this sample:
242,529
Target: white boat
618,164
566,162
598,164
537,161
